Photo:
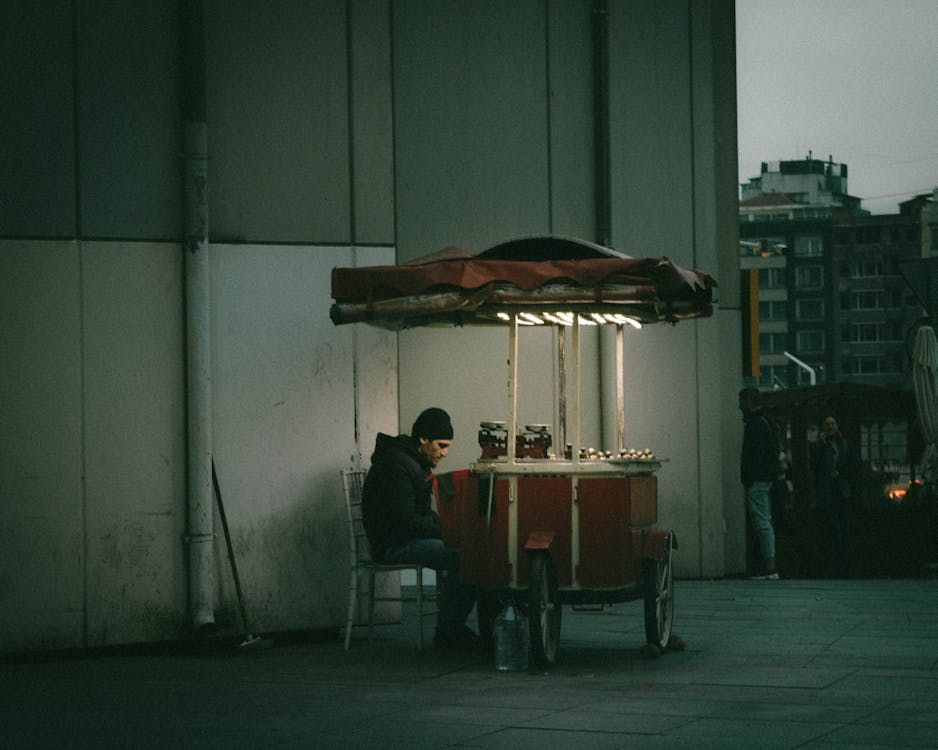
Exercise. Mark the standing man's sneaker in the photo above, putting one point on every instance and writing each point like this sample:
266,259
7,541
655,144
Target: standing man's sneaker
765,575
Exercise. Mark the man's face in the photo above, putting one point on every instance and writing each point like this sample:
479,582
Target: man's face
435,450
829,427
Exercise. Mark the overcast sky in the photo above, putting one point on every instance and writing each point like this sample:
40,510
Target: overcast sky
852,79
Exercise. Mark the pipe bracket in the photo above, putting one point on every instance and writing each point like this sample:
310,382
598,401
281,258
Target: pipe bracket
199,538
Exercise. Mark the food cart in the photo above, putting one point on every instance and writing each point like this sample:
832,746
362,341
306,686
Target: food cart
539,523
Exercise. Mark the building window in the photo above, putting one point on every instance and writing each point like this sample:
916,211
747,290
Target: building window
772,343
809,309
867,267
764,247
771,278
869,366
773,310
809,247
867,300
865,333
809,277
868,235
861,366
811,342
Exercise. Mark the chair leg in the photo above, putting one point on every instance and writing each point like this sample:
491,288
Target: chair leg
371,604
352,596
420,609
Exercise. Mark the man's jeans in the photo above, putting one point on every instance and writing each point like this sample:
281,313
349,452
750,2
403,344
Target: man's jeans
759,505
456,600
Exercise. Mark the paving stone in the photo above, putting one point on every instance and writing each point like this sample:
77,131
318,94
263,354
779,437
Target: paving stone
780,664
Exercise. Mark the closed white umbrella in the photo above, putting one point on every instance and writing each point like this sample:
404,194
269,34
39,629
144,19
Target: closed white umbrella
925,384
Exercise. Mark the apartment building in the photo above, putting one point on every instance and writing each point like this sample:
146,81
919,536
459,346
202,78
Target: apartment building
834,302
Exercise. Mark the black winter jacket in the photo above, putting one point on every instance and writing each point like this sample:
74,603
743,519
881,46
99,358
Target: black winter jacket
397,495
759,461
833,465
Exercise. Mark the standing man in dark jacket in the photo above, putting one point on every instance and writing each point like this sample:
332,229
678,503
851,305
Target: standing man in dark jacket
402,525
758,470
832,464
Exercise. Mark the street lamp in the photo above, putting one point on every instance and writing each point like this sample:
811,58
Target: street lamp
811,373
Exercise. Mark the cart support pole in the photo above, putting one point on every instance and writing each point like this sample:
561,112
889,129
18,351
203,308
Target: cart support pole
575,421
620,390
562,388
512,386
512,432
574,481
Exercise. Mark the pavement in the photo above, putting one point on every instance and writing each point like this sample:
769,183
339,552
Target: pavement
767,664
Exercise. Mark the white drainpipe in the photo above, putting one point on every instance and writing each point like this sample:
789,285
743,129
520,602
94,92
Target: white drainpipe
201,537
199,391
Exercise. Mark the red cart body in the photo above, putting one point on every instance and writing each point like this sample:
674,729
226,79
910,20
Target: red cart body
614,518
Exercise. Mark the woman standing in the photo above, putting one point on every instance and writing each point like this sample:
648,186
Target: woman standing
832,467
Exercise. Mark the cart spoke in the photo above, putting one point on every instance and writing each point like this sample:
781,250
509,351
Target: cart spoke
659,598
544,611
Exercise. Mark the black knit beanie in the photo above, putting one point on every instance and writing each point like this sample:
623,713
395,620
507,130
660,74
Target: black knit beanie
432,424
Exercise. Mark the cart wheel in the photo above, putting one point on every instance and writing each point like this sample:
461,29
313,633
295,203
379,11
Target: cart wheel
543,611
659,598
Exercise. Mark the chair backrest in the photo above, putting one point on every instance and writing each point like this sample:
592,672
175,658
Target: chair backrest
353,480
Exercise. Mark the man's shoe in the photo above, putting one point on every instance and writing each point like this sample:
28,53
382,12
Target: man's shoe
765,575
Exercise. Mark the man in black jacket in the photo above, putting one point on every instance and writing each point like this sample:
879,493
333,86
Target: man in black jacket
403,527
833,465
758,470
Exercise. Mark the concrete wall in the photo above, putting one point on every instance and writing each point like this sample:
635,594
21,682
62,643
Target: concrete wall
42,511
93,436
339,133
